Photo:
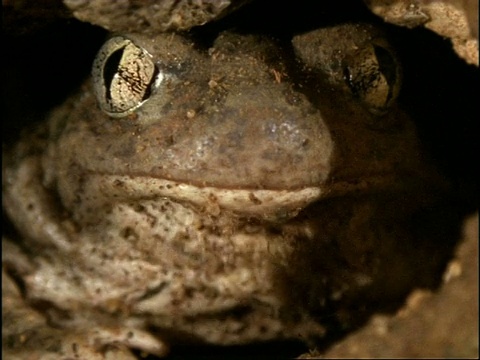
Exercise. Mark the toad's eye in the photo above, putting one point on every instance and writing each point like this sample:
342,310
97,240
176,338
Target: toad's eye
356,58
373,75
124,76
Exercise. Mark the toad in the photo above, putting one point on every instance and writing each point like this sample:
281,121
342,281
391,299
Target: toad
252,190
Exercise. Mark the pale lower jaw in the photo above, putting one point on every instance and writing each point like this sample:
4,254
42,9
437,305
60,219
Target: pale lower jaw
266,204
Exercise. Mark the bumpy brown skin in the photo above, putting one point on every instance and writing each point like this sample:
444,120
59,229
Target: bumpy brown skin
26,333
244,201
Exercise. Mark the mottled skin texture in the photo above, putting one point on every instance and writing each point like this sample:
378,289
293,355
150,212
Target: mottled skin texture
248,199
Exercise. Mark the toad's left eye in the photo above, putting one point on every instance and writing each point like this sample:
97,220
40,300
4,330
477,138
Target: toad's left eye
373,75
354,57
124,76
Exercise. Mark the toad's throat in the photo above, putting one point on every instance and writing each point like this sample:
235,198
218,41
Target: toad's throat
260,203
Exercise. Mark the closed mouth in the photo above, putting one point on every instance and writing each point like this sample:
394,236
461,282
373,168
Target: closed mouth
262,203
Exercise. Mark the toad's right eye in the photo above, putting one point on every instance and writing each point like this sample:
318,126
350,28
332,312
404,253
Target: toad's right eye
124,76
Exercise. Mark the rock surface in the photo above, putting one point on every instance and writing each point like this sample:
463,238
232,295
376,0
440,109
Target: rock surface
443,324
152,15
455,19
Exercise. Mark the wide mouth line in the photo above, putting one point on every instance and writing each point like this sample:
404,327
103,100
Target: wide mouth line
258,202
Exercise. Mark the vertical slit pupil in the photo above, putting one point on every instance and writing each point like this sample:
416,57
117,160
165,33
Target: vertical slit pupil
388,68
111,68
354,86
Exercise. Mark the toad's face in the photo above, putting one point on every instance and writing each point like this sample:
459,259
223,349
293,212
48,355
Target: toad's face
263,132
191,188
